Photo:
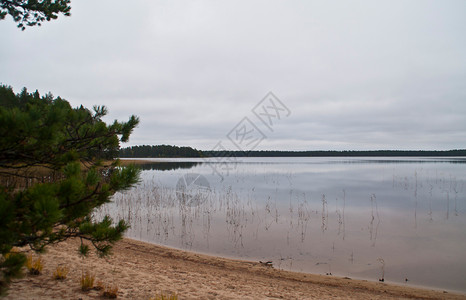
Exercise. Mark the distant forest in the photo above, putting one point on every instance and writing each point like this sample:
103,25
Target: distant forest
175,151
146,151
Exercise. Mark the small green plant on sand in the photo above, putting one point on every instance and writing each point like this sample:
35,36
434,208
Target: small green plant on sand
34,266
60,273
163,296
87,281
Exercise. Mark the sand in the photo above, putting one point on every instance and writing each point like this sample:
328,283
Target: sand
142,271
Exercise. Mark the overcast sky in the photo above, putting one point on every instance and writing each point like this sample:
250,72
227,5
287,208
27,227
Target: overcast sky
350,75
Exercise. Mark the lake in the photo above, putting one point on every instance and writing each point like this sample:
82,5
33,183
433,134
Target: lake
365,218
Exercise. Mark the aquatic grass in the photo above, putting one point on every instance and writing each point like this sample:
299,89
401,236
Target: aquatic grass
382,267
251,207
324,226
373,233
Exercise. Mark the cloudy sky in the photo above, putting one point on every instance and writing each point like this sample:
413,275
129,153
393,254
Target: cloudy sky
349,75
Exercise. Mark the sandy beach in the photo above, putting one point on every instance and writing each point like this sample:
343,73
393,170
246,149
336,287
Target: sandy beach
142,271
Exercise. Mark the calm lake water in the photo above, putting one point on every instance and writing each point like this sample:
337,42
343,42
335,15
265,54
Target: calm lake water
367,218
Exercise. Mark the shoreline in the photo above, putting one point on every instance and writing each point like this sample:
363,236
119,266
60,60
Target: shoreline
136,161
142,270
297,272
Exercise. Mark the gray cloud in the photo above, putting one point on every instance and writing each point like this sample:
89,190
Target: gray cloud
355,74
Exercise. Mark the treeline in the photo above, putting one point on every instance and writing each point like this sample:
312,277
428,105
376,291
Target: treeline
147,151
374,153
174,151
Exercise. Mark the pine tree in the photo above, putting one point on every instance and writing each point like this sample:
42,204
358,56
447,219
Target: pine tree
57,164
33,12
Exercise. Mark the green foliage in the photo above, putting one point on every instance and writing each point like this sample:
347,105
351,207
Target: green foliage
33,12
10,264
57,164
45,131
83,249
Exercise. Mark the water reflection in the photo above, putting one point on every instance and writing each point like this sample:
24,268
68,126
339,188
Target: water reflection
315,215
167,165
